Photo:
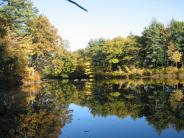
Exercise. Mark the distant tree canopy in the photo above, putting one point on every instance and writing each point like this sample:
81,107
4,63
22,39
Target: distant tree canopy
158,47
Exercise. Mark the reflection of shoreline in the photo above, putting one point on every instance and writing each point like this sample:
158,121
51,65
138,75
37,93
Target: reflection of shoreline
148,81
160,103
31,111
44,108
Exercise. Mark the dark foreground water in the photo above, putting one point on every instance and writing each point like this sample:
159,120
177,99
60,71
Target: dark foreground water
93,109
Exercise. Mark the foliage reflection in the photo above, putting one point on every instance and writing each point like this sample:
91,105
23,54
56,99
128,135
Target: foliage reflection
42,110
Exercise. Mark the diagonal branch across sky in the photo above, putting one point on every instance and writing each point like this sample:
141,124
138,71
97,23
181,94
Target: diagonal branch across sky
75,3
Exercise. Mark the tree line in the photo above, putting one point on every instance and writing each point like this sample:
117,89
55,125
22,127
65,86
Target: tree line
159,48
30,49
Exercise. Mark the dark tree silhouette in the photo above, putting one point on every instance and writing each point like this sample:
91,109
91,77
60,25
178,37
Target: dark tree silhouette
75,3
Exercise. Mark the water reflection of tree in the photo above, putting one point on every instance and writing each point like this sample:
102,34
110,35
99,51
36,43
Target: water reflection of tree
32,112
160,102
43,110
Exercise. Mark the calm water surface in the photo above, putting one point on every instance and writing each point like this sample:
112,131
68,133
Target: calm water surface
85,125
93,109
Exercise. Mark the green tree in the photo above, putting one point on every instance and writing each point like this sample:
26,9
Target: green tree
152,46
98,55
17,15
176,35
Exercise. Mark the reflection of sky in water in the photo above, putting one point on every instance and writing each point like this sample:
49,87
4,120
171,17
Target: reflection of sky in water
85,125
115,106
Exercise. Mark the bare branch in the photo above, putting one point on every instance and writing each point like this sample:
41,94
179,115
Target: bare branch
75,3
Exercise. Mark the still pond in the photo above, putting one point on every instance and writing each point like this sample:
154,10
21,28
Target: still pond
93,109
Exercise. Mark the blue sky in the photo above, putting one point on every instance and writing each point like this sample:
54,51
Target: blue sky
106,18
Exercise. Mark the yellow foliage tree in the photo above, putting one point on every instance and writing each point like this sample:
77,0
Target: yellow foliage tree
175,98
173,54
